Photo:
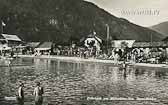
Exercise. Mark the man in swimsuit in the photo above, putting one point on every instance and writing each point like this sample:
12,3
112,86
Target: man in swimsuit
20,97
38,93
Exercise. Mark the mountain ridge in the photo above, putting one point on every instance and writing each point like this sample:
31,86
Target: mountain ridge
63,22
161,28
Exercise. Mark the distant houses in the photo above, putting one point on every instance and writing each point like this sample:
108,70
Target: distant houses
93,40
11,40
32,45
134,44
93,43
8,42
119,43
142,51
90,46
44,48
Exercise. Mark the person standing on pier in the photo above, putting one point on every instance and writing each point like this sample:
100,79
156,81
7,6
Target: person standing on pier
38,93
20,94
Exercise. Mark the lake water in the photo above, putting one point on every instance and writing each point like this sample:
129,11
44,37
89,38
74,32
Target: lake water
85,83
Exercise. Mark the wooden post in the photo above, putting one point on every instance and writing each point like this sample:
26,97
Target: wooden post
108,34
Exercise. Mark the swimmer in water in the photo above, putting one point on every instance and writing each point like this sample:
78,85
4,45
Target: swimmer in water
20,94
38,93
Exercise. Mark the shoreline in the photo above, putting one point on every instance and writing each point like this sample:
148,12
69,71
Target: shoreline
78,59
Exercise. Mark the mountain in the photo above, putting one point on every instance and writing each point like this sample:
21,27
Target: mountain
63,21
161,28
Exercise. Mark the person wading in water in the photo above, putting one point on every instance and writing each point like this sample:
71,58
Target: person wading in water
38,93
20,94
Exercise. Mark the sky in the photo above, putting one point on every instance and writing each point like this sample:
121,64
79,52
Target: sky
141,12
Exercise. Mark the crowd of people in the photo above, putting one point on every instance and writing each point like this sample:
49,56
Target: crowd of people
137,55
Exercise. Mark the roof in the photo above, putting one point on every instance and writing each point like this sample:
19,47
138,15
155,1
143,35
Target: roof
11,37
44,46
149,44
91,36
119,43
33,44
165,39
141,44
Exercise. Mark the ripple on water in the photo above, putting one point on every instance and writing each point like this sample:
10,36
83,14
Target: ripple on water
68,82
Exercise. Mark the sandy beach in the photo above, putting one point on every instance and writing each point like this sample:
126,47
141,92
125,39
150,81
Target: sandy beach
78,59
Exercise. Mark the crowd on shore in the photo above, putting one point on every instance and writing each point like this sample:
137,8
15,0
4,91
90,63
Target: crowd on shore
127,54
116,54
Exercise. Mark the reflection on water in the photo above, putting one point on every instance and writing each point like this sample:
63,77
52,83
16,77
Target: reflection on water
66,81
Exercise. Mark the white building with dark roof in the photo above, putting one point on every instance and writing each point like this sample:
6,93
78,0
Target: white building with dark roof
44,48
11,40
92,41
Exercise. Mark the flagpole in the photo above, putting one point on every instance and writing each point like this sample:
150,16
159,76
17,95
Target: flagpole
1,27
1,33
108,31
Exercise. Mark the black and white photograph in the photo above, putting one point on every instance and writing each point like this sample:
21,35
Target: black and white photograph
83,52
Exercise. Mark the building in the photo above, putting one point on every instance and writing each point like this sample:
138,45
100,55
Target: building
154,47
155,52
32,45
44,48
92,41
122,43
10,40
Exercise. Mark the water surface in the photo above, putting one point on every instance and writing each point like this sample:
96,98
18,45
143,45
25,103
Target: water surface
85,82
